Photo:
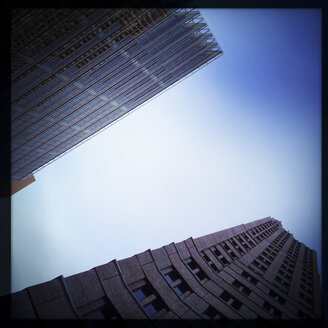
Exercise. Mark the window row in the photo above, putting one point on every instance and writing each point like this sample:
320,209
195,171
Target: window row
263,231
307,298
106,311
265,259
233,246
283,284
148,298
281,240
87,38
39,29
212,314
176,281
196,270
209,262
55,52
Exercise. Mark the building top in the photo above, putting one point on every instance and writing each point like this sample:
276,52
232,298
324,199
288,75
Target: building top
251,271
75,72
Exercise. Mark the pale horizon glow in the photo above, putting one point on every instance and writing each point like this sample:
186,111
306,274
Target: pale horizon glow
237,141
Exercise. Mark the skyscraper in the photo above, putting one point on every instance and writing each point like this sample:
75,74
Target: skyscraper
251,271
74,72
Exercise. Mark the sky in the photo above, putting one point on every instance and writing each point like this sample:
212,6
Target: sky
238,140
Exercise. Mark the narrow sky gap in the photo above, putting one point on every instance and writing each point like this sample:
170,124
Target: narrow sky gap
237,141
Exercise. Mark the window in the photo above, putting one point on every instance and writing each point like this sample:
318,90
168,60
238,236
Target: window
142,293
306,289
284,274
306,297
211,313
181,288
247,237
192,265
228,250
98,317
238,248
268,255
236,304
201,275
245,290
232,301
259,266
225,296
282,281
220,257
196,270
226,247
207,259
276,297
172,276
145,293
176,281
240,239
209,262
264,260
249,278
233,255
154,307
267,306
213,266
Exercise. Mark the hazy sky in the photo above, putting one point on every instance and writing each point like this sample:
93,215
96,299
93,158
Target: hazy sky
236,141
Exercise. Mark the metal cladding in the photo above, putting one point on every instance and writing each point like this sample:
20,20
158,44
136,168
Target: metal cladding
75,71
251,271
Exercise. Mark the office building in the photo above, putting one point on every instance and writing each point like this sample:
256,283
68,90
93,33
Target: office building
256,270
76,71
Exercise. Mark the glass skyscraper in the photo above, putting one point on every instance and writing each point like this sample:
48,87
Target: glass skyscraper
76,71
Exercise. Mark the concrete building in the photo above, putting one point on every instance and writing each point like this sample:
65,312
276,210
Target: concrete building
76,71
251,271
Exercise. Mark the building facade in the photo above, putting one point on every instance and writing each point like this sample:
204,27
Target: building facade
256,270
76,71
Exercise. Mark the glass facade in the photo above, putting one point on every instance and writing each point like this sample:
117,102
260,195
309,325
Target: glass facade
92,71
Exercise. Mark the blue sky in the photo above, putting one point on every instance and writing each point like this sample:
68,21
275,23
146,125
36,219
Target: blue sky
236,141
